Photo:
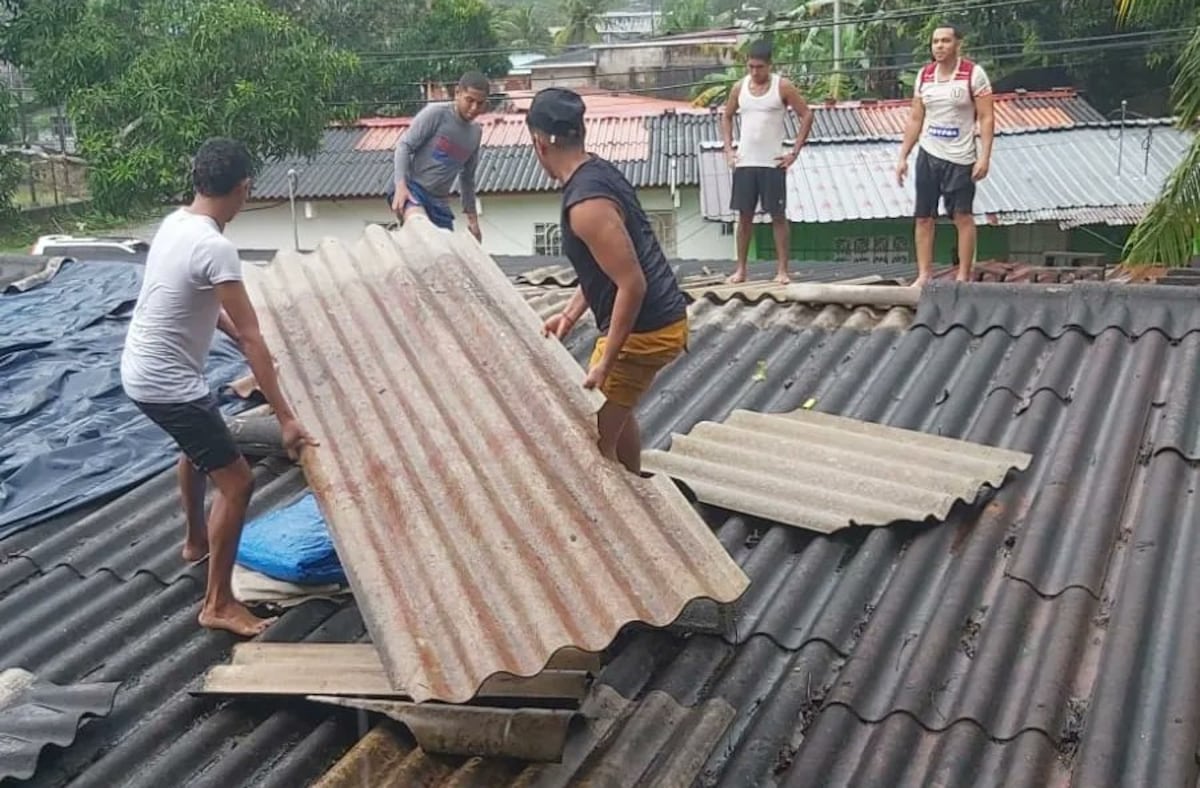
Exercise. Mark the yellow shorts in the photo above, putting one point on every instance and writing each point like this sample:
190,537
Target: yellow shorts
639,361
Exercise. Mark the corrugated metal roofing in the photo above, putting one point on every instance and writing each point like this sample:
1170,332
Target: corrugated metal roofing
617,138
1070,173
472,548
824,473
35,714
865,120
668,155
1061,610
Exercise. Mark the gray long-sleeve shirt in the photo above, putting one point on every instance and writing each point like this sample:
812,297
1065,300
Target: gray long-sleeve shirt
438,147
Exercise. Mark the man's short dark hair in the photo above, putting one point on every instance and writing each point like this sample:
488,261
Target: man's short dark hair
954,29
220,166
475,80
760,50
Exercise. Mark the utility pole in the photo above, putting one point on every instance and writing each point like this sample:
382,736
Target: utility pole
837,49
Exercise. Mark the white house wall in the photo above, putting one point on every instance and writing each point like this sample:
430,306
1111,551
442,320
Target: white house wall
508,223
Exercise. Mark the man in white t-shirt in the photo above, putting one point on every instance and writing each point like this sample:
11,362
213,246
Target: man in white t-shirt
759,165
951,94
192,285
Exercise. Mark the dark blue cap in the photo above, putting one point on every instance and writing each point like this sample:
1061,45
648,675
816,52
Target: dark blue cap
557,111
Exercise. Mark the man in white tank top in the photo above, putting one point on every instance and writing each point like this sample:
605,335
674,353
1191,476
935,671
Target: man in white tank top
760,164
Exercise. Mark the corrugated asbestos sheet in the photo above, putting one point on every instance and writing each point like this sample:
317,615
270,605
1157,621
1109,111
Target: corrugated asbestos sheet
1054,310
708,275
35,714
993,271
1045,637
822,472
479,526
1067,174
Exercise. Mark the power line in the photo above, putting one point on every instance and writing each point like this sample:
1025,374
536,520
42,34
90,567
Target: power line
964,6
903,58
1086,45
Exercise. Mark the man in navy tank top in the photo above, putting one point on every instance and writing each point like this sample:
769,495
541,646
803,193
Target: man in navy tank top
759,164
624,277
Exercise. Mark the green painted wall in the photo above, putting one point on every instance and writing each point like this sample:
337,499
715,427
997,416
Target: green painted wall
830,241
1110,242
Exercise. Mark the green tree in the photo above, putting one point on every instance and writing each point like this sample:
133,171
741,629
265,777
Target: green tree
64,46
403,46
686,16
523,27
1170,232
581,20
10,169
198,69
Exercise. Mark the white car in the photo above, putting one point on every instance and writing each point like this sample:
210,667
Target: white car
91,247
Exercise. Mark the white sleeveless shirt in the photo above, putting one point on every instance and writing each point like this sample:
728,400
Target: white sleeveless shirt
763,129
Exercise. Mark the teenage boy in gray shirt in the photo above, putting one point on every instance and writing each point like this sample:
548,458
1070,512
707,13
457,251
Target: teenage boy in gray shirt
442,144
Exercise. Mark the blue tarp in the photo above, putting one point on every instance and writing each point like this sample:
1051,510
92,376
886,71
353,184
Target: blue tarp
68,435
292,544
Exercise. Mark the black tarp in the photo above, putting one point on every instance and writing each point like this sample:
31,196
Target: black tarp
68,435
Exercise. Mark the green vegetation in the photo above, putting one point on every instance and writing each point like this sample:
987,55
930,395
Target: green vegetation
1171,231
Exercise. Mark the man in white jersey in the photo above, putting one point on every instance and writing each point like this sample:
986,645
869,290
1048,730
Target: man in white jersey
950,95
759,164
192,285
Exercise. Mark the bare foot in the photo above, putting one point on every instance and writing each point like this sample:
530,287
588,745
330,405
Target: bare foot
195,551
962,278
235,618
736,278
783,279
920,281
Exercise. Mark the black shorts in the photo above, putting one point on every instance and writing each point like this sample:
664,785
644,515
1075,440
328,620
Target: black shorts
941,179
753,186
198,428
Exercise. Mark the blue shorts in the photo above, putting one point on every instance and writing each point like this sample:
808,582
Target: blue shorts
435,209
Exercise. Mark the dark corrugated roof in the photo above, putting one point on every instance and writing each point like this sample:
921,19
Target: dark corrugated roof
1044,634
1087,307
35,714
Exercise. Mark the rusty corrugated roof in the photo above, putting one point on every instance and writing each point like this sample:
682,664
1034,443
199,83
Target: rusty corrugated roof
825,472
481,529
617,138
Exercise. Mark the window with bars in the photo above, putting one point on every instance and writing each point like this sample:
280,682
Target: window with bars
547,239
874,249
663,223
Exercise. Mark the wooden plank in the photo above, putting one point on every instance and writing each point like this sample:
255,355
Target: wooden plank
522,734
364,655
284,678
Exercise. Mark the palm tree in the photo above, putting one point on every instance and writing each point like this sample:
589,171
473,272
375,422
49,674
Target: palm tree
582,18
1170,232
685,16
523,27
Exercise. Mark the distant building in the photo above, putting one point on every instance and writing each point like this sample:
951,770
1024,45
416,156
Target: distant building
628,25
669,67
